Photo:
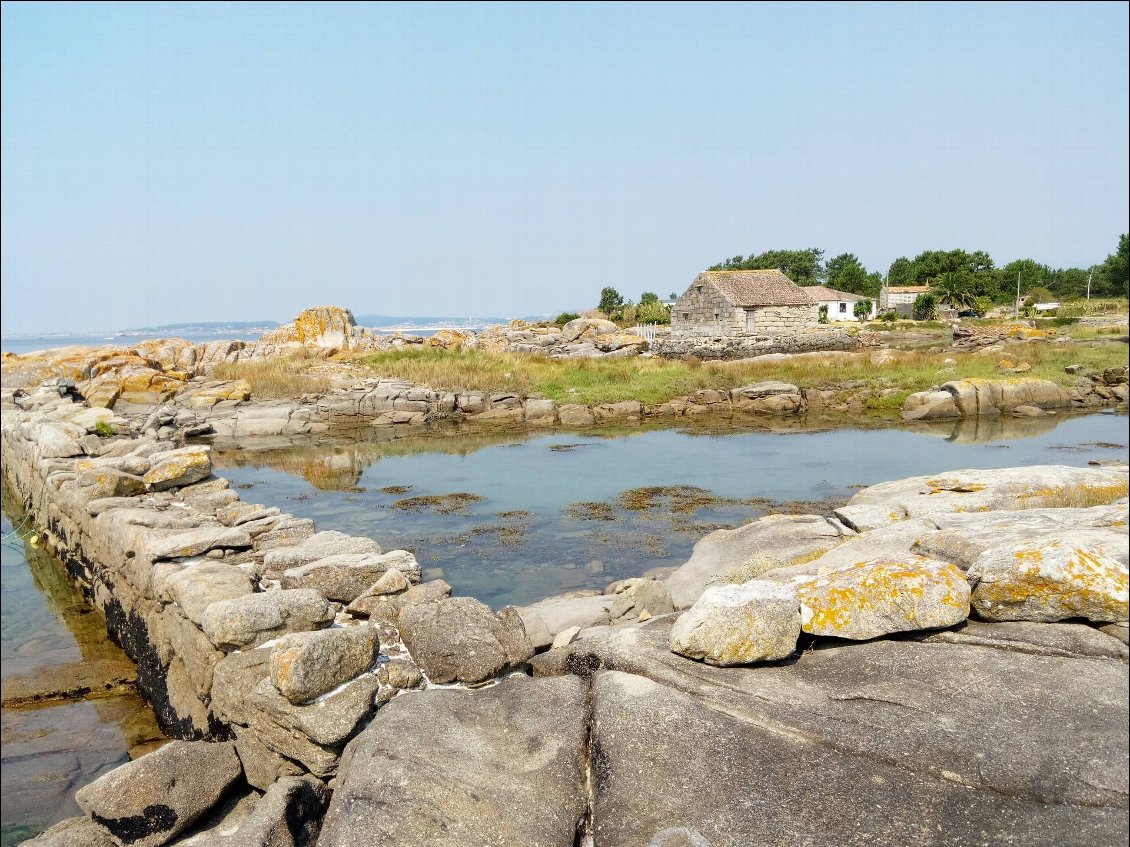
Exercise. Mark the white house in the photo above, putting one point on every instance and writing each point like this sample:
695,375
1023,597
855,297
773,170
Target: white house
841,304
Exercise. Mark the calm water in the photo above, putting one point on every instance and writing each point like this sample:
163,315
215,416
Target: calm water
563,511
50,752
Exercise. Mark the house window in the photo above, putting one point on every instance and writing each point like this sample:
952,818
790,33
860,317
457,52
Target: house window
749,319
843,307
686,316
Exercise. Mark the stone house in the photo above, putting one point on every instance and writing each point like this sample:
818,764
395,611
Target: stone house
732,304
841,304
900,298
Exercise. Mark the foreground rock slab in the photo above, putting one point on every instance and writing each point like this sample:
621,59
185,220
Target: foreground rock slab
149,800
872,743
452,768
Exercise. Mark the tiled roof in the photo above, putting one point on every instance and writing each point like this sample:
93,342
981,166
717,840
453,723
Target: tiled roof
756,288
823,294
908,289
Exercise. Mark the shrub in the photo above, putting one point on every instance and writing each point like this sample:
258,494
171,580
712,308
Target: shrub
103,429
889,317
823,313
925,307
862,309
565,317
652,312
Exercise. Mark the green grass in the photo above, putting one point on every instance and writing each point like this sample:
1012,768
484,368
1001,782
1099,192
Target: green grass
653,381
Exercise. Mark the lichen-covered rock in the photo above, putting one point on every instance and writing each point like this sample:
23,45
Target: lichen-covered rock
193,542
308,664
174,468
975,490
346,576
99,483
739,624
149,800
1063,577
884,595
212,393
459,638
317,546
254,619
200,584
774,541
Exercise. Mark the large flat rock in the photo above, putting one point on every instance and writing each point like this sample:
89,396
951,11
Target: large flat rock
501,767
944,740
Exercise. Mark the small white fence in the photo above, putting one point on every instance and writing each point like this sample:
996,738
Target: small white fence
645,331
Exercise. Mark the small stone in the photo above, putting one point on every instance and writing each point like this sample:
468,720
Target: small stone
308,664
254,619
392,582
739,624
175,468
565,637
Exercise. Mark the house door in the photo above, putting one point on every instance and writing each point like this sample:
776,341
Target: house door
749,313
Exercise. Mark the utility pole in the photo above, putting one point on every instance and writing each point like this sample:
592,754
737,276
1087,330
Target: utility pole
1090,274
1016,311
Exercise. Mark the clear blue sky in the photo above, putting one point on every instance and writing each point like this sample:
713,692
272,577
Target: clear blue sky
209,162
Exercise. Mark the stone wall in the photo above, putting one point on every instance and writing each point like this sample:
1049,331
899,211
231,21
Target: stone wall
746,346
704,311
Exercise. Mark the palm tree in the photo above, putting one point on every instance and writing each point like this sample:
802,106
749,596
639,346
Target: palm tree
952,288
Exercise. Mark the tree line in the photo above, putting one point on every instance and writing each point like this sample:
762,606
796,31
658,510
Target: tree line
957,275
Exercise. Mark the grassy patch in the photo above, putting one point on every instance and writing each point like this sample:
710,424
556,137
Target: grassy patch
654,381
276,377
1073,496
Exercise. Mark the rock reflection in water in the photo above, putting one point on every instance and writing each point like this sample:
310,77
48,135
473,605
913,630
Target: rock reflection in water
50,638
553,502
985,430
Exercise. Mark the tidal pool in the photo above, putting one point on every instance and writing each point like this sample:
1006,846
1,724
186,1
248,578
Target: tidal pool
49,752
515,517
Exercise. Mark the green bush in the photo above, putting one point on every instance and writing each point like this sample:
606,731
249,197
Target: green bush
103,429
565,317
823,313
925,307
861,309
652,312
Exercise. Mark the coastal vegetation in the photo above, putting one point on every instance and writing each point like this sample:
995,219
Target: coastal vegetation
277,376
960,276
654,380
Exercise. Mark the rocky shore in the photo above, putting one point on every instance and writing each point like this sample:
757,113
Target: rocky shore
167,388
939,644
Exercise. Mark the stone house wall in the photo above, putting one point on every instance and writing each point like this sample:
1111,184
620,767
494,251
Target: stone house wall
704,312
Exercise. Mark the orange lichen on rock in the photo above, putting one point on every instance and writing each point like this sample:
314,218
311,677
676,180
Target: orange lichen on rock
1061,578
888,594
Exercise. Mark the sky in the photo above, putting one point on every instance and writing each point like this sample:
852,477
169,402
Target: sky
184,162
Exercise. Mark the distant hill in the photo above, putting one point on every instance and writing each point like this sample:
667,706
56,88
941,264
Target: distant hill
202,327
377,321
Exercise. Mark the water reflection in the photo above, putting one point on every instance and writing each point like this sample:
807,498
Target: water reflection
984,430
553,511
48,630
